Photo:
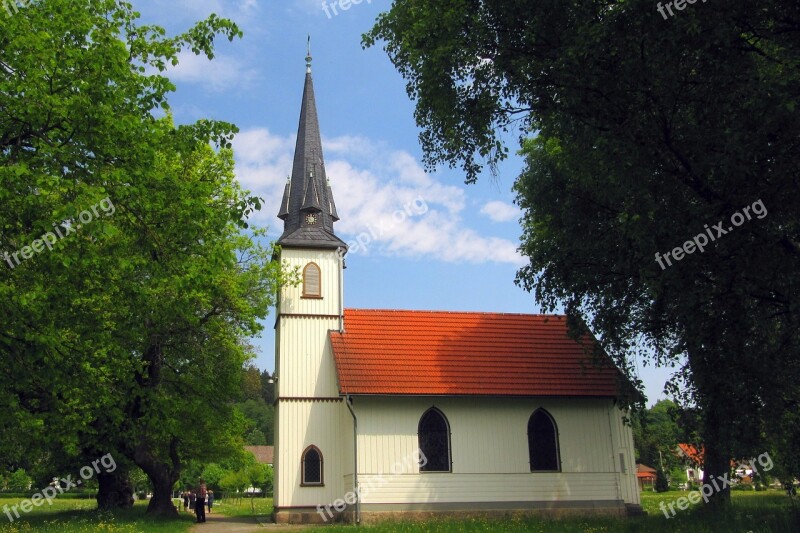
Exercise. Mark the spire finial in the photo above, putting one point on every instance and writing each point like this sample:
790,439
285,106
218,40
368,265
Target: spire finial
308,55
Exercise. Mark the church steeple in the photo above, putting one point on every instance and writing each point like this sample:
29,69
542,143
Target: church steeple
307,210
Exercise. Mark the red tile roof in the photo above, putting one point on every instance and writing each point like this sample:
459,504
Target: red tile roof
645,472
474,354
695,455
264,454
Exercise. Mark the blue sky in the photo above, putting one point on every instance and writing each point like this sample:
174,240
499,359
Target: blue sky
454,248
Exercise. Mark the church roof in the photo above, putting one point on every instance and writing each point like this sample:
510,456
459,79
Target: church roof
385,352
308,191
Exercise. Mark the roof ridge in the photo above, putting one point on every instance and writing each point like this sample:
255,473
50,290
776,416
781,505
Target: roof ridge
451,312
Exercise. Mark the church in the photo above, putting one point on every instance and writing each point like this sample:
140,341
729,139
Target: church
410,414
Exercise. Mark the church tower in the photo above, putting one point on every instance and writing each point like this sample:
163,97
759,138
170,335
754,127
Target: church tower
313,425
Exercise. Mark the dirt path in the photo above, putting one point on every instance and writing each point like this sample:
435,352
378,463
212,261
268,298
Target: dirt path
217,523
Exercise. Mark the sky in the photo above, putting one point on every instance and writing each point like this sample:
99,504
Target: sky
427,240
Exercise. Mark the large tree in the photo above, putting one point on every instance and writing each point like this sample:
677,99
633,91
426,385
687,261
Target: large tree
644,134
129,285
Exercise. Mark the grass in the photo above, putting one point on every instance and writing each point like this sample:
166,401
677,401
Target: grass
755,512
74,516
243,506
750,512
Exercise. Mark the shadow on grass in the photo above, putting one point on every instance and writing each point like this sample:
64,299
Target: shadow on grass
90,520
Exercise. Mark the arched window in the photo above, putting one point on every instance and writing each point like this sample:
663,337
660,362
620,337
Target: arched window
543,442
434,441
312,281
312,464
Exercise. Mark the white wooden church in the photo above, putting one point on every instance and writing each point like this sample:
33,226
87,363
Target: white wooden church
412,413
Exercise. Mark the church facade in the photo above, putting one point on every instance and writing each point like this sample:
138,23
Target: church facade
384,413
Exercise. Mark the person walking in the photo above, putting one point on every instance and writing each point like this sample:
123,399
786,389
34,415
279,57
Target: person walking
192,498
200,505
210,500
186,501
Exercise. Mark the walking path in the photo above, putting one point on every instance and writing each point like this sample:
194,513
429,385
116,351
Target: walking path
217,523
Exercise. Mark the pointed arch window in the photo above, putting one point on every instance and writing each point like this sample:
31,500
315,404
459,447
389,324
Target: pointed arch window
543,442
434,441
312,467
312,281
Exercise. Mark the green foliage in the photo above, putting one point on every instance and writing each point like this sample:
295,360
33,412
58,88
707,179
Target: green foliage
251,383
259,421
129,335
19,480
677,476
656,434
643,132
662,483
213,473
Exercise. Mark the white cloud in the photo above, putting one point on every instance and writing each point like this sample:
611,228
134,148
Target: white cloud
388,205
223,72
501,211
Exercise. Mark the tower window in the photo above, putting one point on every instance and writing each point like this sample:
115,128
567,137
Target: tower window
312,281
543,442
311,465
434,441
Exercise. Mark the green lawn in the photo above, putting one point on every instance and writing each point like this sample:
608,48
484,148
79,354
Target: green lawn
73,516
243,506
755,512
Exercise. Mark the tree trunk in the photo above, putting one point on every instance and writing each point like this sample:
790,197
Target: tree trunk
161,503
115,491
162,475
716,454
716,473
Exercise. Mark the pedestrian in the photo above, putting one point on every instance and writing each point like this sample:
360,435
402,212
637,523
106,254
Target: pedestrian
186,501
200,506
210,500
192,498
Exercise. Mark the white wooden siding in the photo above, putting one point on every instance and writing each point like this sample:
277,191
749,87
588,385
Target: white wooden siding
291,300
306,367
489,449
464,488
300,424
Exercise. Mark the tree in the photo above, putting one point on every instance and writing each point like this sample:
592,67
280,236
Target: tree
130,284
19,481
646,133
656,434
662,484
267,387
259,421
251,383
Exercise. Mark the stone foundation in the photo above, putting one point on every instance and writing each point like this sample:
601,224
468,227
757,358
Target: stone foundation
375,513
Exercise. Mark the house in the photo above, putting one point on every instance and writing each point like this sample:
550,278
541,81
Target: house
646,477
263,454
693,462
412,413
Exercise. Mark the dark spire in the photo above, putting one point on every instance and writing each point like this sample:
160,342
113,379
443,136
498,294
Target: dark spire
283,214
307,208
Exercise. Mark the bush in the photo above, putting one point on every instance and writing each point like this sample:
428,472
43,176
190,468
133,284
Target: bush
19,481
662,484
